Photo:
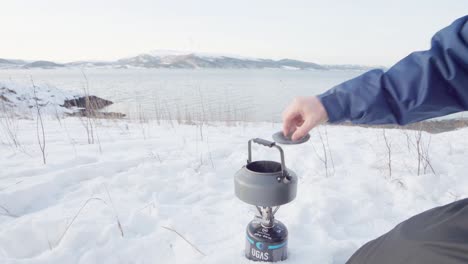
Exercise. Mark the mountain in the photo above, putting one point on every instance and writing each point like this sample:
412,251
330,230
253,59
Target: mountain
3,61
184,60
6,63
42,65
178,60
89,64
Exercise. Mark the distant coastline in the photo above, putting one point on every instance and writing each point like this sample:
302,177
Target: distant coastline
184,60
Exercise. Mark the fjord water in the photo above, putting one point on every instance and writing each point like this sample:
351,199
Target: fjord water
190,94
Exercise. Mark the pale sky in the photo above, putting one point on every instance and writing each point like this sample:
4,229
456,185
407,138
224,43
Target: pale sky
368,32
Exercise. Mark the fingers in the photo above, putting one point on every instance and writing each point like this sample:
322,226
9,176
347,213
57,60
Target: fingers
303,130
292,130
289,123
287,127
302,115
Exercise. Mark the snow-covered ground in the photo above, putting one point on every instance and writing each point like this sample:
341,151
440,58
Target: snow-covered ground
113,201
21,98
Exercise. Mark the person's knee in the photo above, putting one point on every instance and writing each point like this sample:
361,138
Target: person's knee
439,235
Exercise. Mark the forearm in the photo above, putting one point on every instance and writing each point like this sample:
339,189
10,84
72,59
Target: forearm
423,85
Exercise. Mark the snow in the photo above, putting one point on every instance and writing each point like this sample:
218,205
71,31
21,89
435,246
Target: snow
150,177
21,98
207,55
290,68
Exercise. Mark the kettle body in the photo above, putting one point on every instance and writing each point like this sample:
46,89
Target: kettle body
265,182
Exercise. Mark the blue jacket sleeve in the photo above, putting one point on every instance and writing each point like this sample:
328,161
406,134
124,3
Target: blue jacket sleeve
423,85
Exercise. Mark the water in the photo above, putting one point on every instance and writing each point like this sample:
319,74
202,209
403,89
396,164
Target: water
208,94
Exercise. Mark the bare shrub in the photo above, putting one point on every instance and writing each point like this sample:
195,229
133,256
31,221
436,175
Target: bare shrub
179,118
421,146
39,124
203,115
388,144
185,239
422,149
325,157
86,119
119,225
9,125
417,144
427,164
168,114
89,120
188,116
143,121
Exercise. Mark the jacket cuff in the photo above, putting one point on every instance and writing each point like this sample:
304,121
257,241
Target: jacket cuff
332,105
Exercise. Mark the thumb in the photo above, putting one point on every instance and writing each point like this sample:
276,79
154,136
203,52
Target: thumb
303,130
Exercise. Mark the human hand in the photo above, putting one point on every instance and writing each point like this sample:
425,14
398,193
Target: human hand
303,114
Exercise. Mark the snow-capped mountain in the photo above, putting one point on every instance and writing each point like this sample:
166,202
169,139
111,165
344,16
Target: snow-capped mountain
175,59
183,60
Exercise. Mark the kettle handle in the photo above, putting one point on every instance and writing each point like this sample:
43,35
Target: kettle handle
269,144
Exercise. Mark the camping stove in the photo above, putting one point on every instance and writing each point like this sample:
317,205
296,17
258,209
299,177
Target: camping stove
266,185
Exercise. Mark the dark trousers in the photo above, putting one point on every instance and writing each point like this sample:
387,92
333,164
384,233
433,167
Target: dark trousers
436,236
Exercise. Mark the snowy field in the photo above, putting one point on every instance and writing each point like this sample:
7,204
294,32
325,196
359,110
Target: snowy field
118,200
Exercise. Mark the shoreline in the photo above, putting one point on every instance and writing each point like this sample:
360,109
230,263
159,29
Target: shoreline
430,126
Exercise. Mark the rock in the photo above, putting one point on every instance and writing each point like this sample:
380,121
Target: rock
3,98
89,103
89,106
97,114
4,89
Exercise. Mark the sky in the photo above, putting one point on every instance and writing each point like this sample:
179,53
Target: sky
369,32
